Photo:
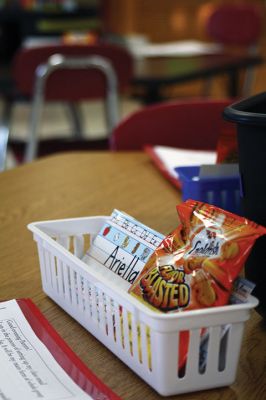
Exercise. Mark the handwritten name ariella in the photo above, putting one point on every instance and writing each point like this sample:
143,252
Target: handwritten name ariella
119,266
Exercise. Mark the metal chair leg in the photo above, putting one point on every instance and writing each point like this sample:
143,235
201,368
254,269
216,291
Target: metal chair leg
36,109
76,119
207,85
4,133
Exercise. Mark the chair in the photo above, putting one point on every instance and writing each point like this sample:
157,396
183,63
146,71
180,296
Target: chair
61,63
237,26
69,74
189,124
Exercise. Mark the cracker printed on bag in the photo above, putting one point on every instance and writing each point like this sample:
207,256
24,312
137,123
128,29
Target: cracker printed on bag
195,265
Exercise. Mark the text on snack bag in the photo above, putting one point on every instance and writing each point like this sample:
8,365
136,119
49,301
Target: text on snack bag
165,288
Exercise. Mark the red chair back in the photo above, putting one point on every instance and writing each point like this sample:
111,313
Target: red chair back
191,124
72,85
235,24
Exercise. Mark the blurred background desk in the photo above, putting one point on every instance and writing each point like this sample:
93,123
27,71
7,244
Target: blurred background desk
131,18
153,74
83,184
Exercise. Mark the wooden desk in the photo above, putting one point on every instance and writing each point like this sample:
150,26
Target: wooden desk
155,73
81,184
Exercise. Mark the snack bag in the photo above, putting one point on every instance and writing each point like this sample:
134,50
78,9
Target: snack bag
195,266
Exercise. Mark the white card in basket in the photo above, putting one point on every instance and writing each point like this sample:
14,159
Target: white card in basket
122,248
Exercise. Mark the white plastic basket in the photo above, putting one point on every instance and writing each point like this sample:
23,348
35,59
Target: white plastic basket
146,341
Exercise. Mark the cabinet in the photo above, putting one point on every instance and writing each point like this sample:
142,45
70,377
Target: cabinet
17,23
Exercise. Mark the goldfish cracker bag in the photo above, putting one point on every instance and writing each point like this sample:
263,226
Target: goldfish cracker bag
195,266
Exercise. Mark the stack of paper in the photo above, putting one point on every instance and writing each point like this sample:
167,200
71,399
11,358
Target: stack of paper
168,158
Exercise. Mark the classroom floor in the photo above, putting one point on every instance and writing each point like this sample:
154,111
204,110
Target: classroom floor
55,121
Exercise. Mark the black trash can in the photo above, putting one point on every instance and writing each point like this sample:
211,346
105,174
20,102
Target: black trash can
250,116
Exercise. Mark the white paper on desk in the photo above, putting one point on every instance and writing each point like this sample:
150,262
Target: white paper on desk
173,157
182,48
28,370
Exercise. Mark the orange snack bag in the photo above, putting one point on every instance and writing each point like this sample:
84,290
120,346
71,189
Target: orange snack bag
195,266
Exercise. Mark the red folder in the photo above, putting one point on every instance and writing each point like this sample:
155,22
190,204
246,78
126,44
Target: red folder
172,157
162,167
62,353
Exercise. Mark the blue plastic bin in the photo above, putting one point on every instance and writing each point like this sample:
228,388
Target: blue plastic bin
223,192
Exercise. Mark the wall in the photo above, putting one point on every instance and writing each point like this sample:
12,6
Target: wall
162,20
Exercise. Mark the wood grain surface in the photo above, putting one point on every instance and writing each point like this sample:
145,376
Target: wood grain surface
87,184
